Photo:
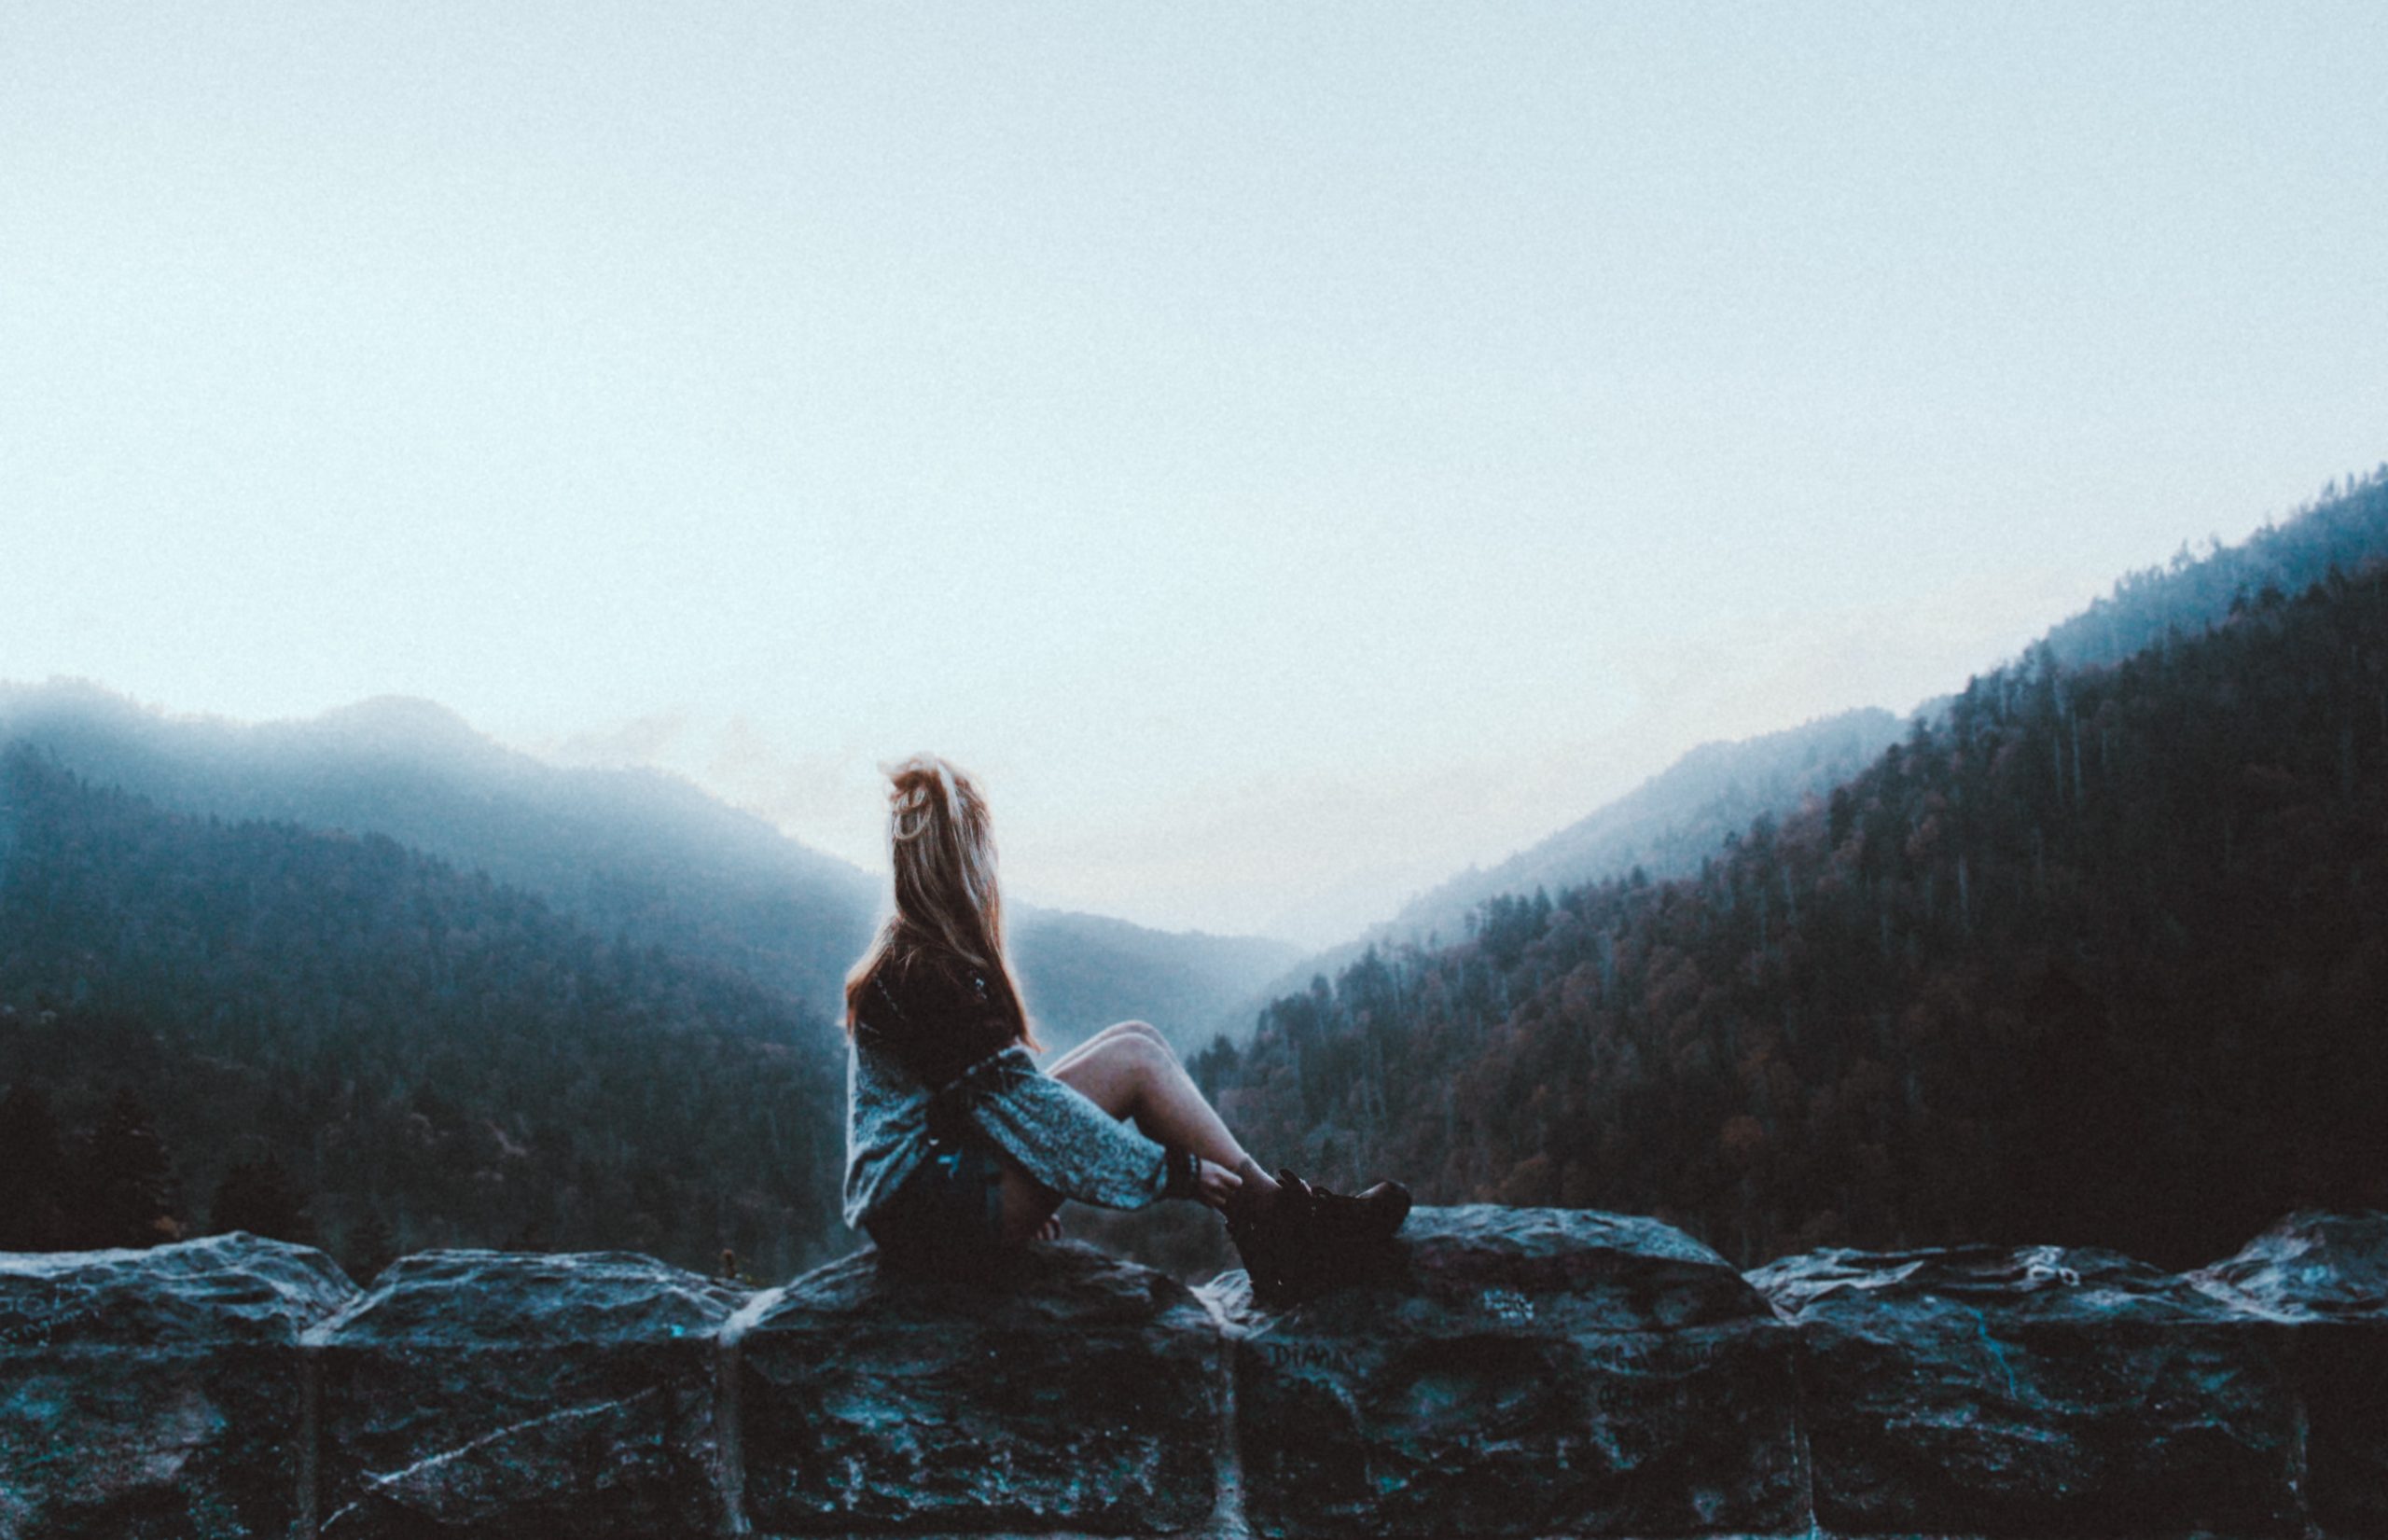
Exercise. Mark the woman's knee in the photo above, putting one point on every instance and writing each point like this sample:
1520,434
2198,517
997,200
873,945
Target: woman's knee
1139,1052
1144,1060
1148,1051
1113,1067
1128,1039
1118,1029
1147,1030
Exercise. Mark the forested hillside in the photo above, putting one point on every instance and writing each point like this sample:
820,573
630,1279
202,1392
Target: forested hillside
2095,954
1667,825
1672,822
423,1056
2346,526
627,851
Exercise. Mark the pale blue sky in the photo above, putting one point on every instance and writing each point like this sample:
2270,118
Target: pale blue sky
1291,451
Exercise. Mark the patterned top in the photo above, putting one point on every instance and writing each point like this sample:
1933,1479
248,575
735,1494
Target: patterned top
932,1060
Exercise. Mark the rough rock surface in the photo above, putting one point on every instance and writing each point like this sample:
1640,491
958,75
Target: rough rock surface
476,1393
1502,1372
2323,1278
1073,1391
2037,1391
1520,1372
152,1393
2310,1267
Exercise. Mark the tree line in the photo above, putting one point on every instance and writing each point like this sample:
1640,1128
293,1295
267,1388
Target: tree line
207,1024
2096,954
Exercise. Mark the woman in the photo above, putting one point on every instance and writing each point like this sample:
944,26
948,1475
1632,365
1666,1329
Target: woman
959,1147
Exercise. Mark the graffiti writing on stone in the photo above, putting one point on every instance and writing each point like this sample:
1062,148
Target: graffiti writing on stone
33,1319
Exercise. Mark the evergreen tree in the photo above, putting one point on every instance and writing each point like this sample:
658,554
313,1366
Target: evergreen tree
128,1182
371,1248
33,1166
259,1197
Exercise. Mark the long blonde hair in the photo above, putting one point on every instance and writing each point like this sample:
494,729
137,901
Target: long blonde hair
942,847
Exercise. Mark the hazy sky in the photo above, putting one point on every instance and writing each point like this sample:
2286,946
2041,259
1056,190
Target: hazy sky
1289,452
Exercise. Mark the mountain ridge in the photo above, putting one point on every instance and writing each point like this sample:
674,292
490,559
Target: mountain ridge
639,851
2058,960
2143,608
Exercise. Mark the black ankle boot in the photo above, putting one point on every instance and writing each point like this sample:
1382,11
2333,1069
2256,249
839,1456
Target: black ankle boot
1373,1213
1312,1240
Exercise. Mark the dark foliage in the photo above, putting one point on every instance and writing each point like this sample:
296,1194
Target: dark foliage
2095,955
32,1172
2341,529
124,1187
427,1057
371,1246
259,1197
627,853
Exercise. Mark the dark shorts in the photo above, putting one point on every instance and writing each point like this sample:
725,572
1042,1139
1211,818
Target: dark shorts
949,1212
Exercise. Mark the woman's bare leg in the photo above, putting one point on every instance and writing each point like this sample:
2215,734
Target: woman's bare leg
1110,1033
1026,1205
1129,1070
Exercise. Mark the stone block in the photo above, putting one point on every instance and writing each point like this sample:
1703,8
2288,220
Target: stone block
476,1393
157,1394
2323,1279
2041,1392
1523,1372
1072,1392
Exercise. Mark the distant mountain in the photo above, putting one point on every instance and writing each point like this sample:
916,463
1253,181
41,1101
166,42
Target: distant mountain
1083,972
2346,527
2094,951
598,1013
1679,818
1666,827
433,1059
631,852
628,850
1672,822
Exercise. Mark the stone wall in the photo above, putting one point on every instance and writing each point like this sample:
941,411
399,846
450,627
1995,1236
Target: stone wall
1513,1372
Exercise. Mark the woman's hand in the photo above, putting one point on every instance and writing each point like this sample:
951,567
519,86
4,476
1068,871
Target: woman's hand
1050,1229
1217,1185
